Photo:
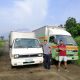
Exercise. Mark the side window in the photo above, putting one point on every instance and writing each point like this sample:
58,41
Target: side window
51,39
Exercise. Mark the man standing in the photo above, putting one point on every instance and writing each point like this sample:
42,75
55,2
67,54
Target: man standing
62,55
47,54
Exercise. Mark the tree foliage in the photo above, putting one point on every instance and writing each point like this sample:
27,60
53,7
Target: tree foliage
72,26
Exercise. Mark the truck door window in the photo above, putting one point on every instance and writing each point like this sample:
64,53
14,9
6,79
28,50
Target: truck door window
51,39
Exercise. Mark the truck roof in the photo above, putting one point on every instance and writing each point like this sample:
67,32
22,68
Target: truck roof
23,34
53,30
50,26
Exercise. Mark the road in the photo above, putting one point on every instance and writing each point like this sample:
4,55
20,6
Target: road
35,72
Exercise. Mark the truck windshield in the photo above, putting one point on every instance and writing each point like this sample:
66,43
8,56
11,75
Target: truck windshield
68,40
26,43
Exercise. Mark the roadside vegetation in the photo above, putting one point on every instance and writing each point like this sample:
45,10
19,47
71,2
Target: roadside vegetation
2,43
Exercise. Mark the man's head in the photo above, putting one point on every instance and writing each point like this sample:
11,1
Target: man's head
61,42
45,41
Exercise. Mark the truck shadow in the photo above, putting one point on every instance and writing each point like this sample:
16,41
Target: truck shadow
28,66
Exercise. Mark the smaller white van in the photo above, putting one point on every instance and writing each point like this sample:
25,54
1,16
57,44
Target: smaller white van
24,49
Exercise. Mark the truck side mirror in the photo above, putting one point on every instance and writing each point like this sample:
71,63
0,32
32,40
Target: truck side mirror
55,41
10,46
40,45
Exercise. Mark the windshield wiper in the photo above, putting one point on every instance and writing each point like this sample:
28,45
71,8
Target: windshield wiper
69,44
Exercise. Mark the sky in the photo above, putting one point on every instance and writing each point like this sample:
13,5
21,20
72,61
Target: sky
28,15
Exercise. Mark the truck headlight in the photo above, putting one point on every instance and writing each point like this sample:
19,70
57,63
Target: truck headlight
16,56
40,54
75,54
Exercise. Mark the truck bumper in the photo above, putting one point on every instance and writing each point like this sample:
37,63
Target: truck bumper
70,58
26,61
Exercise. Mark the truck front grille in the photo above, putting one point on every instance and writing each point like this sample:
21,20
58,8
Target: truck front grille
70,54
32,55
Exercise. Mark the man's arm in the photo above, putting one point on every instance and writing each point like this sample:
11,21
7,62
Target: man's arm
63,49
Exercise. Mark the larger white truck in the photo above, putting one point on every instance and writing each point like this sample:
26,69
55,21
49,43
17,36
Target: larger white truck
53,35
24,49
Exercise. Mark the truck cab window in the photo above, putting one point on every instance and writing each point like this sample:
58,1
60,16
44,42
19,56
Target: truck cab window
26,43
51,39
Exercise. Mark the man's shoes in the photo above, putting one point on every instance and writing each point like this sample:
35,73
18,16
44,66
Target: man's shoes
66,70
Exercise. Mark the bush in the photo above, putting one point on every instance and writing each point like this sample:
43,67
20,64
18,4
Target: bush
78,40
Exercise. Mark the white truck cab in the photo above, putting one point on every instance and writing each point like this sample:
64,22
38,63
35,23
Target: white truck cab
24,49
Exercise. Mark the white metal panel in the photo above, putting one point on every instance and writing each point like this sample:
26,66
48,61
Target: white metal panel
41,30
51,30
14,35
27,51
57,31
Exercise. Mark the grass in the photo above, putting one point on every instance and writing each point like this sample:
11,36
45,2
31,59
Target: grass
2,42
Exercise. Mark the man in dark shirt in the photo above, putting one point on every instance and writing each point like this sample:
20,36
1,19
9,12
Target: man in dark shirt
47,53
62,55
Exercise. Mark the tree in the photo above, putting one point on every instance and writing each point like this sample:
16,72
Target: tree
71,26
78,28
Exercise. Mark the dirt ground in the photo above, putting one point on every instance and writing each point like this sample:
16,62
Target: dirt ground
36,72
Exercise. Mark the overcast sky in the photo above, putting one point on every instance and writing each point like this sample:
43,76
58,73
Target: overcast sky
28,15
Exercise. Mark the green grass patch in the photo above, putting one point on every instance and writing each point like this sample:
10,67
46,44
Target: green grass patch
2,43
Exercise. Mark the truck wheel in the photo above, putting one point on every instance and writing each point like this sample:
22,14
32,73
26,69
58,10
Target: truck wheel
73,62
12,67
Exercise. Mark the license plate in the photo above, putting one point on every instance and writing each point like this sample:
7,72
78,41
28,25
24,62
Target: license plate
28,60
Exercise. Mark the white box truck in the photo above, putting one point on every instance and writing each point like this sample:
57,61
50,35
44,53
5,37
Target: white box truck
53,35
24,49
